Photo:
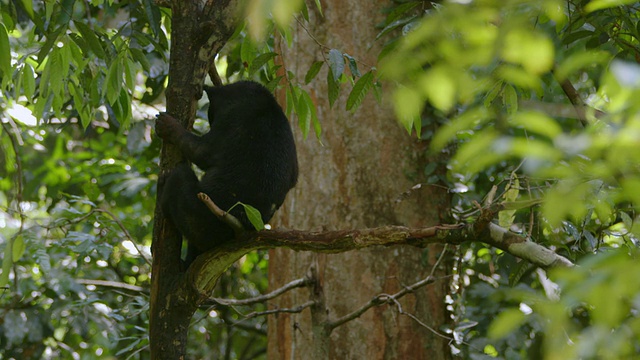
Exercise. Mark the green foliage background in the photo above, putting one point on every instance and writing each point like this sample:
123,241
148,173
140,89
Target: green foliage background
484,81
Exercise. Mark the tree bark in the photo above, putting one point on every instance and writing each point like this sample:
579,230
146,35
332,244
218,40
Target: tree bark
354,180
199,30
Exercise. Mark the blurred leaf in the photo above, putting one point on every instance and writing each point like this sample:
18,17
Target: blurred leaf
536,123
18,248
408,104
603,4
439,87
580,60
532,50
506,217
510,99
7,264
5,53
507,321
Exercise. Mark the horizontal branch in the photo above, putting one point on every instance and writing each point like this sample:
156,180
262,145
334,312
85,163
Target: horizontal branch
206,270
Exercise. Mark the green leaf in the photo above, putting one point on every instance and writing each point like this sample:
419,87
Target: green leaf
5,52
439,87
353,66
27,5
254,216
247,50
7,263
626,219
311,106
506,322
336,63
92,40
506,217
313,71
605,4
534,51
139,56
408,105
303,112
333,88
574,36
537,123
259,61
476,155
319,6
491,95
113,83
581,60
56,72
396,23
153,16
18,248
510,99
360,89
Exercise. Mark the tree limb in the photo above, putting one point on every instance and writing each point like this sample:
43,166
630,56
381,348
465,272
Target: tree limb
207,268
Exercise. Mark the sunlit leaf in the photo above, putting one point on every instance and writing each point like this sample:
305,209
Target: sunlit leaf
254,216
536,123
506,321
408,104
604,4
439,87
530,49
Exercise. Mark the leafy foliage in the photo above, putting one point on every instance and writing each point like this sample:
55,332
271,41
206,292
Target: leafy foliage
535,100
541,106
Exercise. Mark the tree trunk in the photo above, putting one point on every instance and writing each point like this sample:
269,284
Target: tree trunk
354,179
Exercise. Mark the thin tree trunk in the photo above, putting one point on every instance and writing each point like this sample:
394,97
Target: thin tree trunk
354,179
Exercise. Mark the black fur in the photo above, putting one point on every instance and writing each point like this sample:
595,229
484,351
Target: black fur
248,155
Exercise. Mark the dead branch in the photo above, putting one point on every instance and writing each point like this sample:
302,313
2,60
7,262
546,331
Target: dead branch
112,284
296,309
385,298
262,298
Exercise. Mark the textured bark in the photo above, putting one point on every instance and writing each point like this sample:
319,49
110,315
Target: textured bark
353,180
199,30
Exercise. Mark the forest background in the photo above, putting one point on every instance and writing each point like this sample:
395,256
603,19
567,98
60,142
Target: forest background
518,116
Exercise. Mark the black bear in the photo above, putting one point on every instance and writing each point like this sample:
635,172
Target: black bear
247,156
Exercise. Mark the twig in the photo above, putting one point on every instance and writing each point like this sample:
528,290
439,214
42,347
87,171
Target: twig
126,233
112,284
262,298
402,312
228,219
296,309
385,298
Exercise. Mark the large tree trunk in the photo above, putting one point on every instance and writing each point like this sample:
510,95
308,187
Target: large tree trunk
354,179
